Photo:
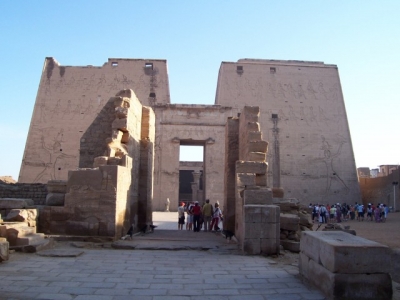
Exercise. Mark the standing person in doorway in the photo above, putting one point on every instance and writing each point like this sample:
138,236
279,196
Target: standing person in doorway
196,216
207,215
189,223
216,215
181,216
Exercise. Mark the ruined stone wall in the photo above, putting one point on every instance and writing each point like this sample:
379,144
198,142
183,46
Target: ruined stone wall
146,171
380,190
231,156
104,200
189,125
257,221
71,109
37,191
303,117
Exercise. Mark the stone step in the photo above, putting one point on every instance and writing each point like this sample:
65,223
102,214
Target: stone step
44,244
21,228
31,239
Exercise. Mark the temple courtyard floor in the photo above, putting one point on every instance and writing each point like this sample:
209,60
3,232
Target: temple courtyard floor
166,264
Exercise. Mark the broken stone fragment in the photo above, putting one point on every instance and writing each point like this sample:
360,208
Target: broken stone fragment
22,215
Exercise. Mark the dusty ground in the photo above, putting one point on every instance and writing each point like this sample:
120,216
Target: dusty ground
387,233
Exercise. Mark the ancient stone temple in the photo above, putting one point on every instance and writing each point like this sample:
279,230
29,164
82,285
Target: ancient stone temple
302,116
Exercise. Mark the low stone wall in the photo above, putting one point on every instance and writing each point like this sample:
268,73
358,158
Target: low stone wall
35,191
345,266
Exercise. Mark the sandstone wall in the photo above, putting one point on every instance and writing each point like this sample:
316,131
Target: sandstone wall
37,191
67,127
257,222
145,199
380,190
188,125
231,156
315,159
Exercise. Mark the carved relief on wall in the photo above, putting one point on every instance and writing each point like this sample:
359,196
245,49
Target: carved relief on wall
331,152
48,156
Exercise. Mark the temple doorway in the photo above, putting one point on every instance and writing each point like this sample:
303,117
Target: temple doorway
191,172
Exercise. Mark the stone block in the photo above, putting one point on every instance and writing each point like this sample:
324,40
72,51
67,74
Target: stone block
395,265
251,167
10,203
346,286
82,179
120,124
245,179
55,199
250,113
257,156
262,180
121,101
258,146
278,192
291,246
305,219
252,230
270,214
290,222
3,231
4,250
270,231
57,186
254,136
341,252
269,246
253,126
252,213
100,161
261,196
22,215
251,246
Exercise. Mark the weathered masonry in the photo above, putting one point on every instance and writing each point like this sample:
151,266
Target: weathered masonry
302,117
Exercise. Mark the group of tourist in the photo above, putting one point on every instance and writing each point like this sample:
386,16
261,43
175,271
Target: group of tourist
197,216
337,213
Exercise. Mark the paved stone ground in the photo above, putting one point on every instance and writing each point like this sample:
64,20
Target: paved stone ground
109,274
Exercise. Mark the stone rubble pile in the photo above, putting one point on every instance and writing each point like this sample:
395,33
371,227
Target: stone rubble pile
18,227
293,220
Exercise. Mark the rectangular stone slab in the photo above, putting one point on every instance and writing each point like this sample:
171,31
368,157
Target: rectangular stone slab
341,252
346,286
9,203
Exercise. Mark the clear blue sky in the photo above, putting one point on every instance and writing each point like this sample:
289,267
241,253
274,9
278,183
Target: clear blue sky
361,37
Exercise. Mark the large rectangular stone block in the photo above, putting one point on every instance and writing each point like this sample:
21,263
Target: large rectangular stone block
252,230
251,167
341,252
290,222
346,286
246,179
261,196
262,180
254,136
258,146
270,214
10,203
257,156
251,246
270,231
269,246
252,213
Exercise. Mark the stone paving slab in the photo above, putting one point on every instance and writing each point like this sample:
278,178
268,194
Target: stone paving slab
61,253
142,274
